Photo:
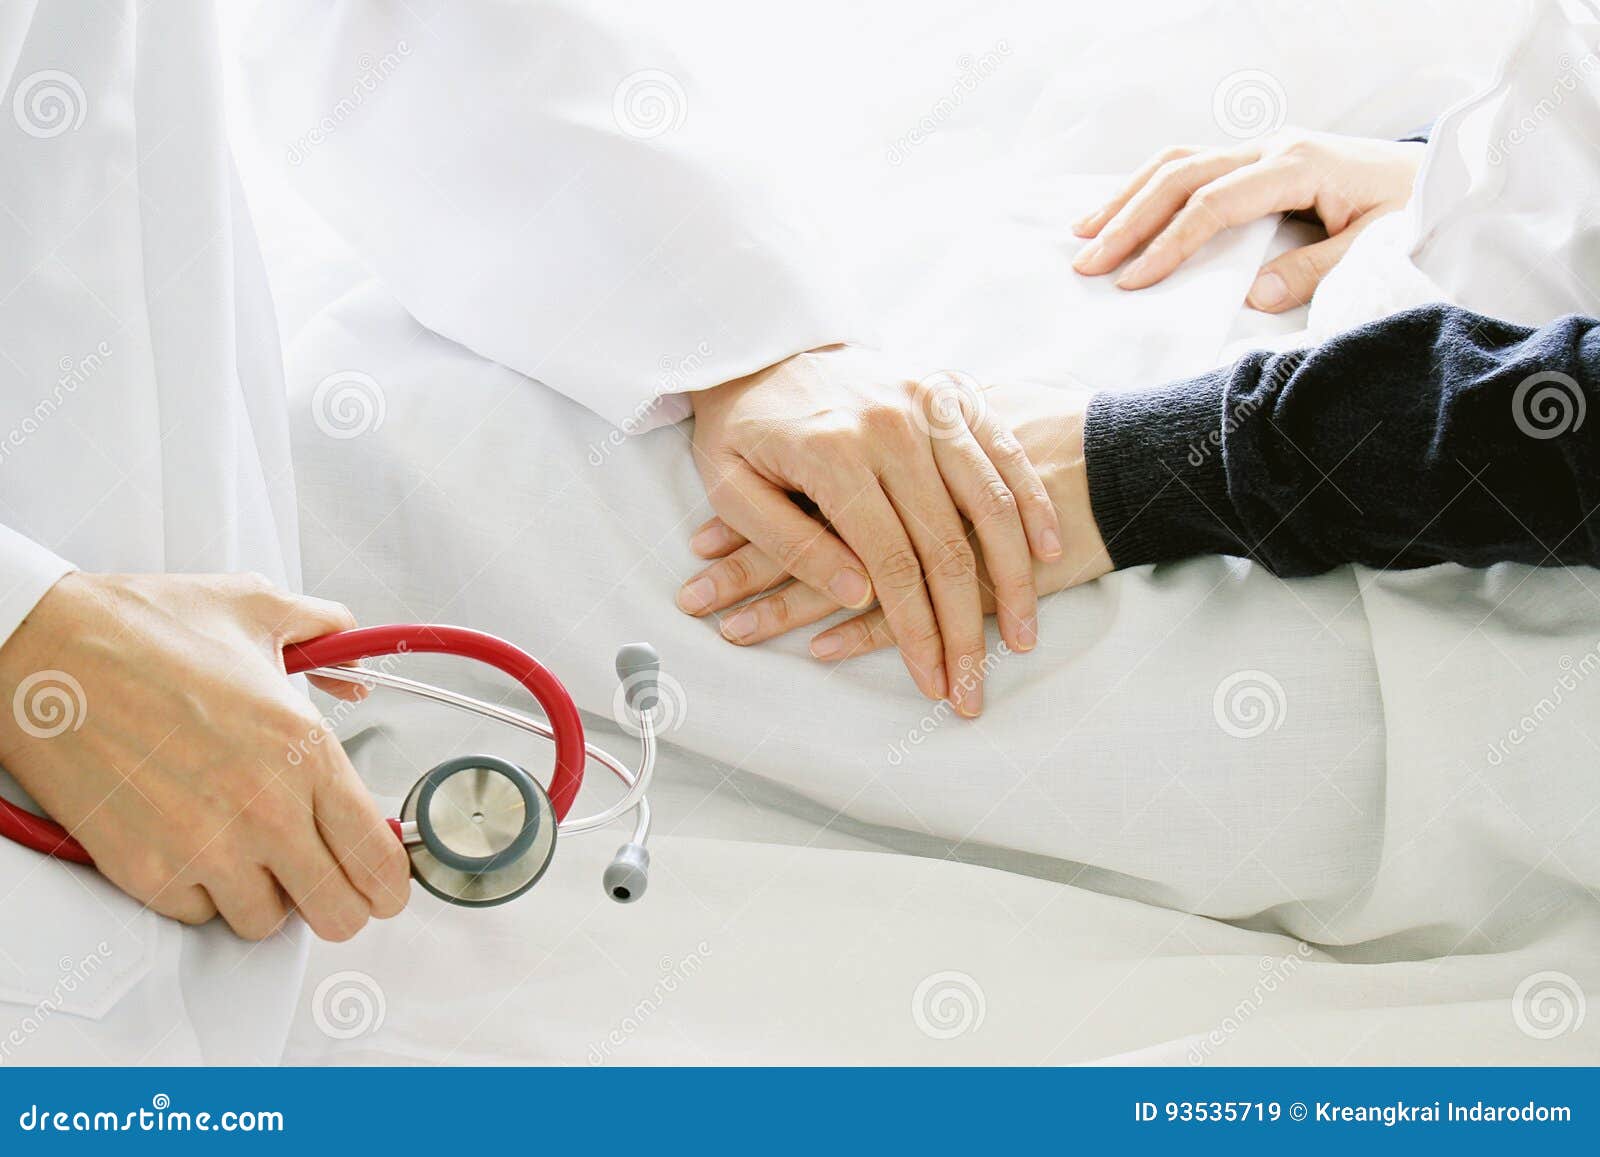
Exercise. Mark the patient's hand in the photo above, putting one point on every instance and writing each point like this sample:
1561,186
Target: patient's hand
1048,423
892,465
1183,197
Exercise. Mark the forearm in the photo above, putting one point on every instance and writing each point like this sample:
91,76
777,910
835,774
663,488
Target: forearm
1412,441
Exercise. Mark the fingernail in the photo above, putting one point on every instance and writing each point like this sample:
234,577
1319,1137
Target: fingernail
1269,291
1081,225
707,540
826,646
1086,255
1050,543
1028,633
1133,273
697,594
851,588
941,687
740,626
970,701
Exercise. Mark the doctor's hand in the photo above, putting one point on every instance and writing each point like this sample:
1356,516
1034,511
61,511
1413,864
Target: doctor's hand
176,751
1183,197
892,466
1049,425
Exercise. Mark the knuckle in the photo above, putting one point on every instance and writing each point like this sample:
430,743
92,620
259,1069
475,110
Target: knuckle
997,501
1298,147
731,573
1177,174
339,927
956,562
255,925
1174,153
270,813
1004,447
900,568
147,878
922,636
778,609
792,553
254,582
889,423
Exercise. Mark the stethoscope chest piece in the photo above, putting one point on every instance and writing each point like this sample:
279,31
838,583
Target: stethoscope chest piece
485,828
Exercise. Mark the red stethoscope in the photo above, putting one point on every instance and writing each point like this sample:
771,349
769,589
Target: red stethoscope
479,830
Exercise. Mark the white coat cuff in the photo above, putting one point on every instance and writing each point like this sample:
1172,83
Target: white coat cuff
27,572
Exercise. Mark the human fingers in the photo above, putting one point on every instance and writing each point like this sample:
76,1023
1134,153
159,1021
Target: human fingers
866,517
867,632
360,838
765,515
981,494
1290,279
931,520
1148,210
186,903
291,618
1092,222
715,538
1248,193
775,613
318,887
747,571
249,899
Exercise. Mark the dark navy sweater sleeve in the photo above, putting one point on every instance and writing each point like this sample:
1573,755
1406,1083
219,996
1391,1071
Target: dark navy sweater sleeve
1435,435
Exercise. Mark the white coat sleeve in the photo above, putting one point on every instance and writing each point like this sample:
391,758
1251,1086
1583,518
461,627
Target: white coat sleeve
532,181
27,572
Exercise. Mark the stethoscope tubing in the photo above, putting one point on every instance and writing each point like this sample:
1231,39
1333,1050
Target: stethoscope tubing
566,726
637,784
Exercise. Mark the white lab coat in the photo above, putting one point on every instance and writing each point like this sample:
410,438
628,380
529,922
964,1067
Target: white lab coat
490,179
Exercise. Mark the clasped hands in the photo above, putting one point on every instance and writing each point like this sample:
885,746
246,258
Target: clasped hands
926,504
921,504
